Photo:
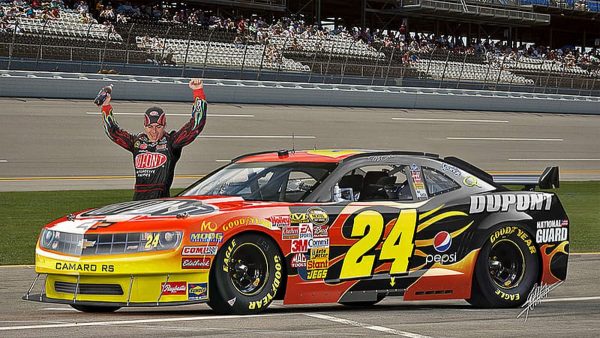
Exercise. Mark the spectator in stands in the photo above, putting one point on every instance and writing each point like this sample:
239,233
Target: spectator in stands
82,7
155,152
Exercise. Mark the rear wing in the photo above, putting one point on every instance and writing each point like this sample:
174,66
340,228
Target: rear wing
549,179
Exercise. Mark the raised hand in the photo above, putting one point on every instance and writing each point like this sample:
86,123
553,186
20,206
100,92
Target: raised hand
196,84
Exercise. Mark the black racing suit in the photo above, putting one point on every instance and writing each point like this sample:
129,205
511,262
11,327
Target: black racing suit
155,161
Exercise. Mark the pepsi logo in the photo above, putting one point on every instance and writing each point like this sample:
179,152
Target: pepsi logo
149,160
442,241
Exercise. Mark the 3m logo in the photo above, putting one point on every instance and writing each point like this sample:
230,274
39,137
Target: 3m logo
150,160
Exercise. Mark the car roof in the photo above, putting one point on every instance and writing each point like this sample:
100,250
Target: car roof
320,155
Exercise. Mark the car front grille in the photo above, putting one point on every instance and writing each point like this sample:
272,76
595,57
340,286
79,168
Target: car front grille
89,289
100,244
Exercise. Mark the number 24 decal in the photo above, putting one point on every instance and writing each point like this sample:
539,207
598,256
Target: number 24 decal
397,246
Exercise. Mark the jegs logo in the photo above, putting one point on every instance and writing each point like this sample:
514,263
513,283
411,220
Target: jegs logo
149,160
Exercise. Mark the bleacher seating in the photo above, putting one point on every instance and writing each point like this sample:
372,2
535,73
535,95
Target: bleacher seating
468,72
336,44
218,54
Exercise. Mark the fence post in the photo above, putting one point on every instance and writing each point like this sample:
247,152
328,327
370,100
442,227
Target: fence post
39,52
313,64
206,53
162,52
487,73
187,51
87,37
346,61
445,66
262,59
126,61
11,48
376,64
243,60
500,72
280,62
513,74
105,47
389,66
430,60
462,68
548,77
329,61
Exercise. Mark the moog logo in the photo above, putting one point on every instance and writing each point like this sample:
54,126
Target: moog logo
149,160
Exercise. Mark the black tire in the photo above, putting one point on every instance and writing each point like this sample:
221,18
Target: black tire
506,270
246,275
95,309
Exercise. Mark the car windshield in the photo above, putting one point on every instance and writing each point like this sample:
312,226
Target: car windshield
264,181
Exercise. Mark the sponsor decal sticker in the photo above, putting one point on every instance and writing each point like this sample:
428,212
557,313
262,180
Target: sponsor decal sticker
442,259
452,169
509,230
442,241
318,243
173,288
208,226
305,230
197,291
299,245
207,237
319,253
317,216
290,232
246,221
317,264
298,260
280,221
299,218
317,274
502,202
196,263
149,160
199,250
320,231
552,231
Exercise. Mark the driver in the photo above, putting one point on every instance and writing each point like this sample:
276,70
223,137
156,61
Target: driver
155,151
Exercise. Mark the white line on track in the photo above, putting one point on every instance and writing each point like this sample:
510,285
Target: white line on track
446,120
260,136
554,159
365,326
570,299
3,161
127,322
222,160
177,114
504,139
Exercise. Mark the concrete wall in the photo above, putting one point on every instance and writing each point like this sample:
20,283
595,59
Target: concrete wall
85,86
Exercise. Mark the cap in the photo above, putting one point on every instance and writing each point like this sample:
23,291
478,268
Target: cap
155,115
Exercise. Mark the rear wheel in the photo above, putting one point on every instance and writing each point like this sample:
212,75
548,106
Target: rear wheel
246,276
506,269
95,309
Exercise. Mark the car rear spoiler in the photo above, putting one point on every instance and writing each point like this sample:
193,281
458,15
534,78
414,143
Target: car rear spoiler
549,179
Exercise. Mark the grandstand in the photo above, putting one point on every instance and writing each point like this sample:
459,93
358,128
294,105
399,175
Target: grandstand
422,42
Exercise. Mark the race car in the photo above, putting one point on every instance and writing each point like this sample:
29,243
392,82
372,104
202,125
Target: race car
315,226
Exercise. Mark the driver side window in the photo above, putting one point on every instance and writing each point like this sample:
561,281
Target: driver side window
298,184
375,183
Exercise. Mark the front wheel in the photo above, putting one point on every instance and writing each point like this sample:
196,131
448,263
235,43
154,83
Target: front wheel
506,270
95,309
246,275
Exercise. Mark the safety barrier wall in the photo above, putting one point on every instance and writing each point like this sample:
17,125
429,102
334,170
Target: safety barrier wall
85,86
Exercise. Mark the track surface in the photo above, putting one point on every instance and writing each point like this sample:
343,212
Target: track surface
60,144
572,309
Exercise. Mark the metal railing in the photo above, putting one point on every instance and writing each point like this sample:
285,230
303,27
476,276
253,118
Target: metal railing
170,50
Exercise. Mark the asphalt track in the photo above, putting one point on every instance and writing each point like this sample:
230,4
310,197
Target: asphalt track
60,144
570,310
